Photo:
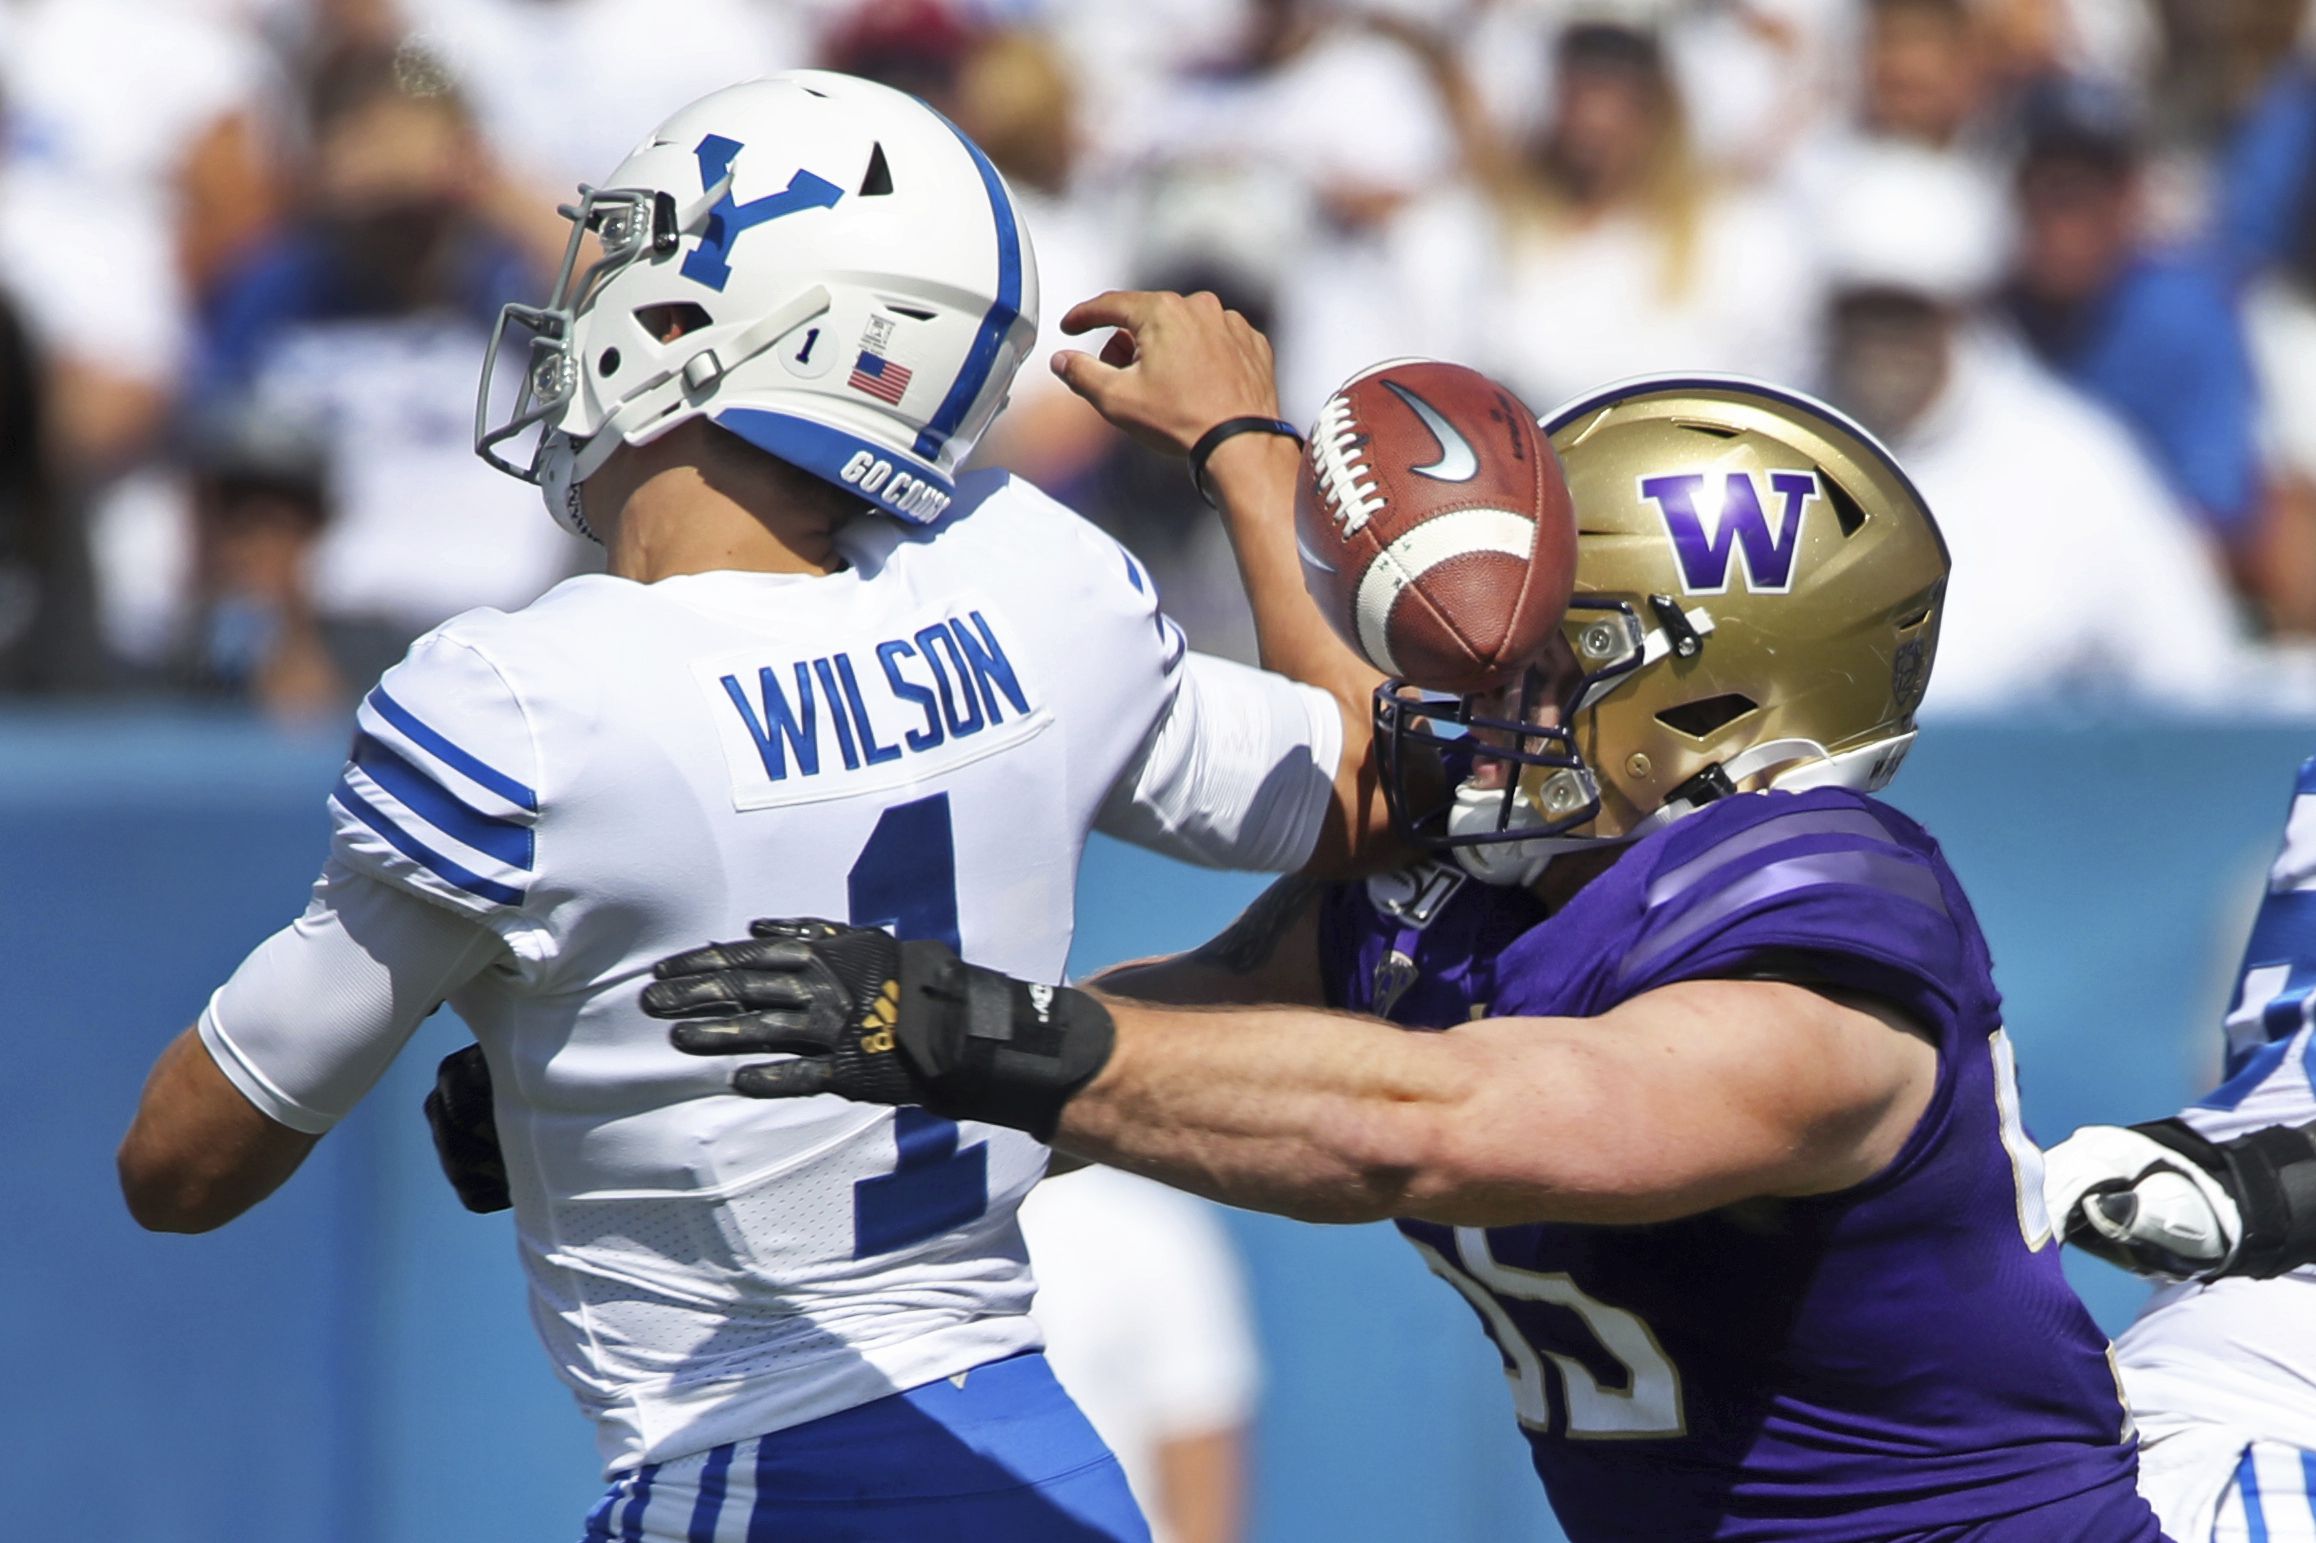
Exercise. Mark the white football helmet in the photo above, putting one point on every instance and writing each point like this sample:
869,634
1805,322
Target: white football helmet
850,282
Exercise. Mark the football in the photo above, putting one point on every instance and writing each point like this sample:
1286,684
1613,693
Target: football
1434,525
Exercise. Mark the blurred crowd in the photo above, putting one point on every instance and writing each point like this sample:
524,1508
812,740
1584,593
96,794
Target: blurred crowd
2060,254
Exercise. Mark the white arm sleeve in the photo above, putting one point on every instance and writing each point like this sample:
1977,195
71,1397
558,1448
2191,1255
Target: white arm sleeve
309,1022
1239,773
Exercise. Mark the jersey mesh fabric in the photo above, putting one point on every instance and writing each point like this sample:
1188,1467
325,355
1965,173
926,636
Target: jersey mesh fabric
1187,793
620,771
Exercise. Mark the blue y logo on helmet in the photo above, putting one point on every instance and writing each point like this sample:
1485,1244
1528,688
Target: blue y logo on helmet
1741,533
709,262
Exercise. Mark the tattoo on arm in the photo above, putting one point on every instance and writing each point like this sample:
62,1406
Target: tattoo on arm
1247,944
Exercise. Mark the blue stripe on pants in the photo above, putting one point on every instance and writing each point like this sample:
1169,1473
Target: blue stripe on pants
709,1508
599,1519
2248,1489
631,1531
1004,1458
760,1514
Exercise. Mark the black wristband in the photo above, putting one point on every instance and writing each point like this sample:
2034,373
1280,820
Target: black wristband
2271,1174
1212,440
994,1048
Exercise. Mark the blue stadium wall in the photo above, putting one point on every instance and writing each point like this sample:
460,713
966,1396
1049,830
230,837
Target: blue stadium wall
353,1363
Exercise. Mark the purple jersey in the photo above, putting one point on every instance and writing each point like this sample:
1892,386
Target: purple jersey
1899,1361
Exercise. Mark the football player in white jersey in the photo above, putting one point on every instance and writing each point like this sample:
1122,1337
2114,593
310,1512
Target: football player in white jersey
2220,1366
824,674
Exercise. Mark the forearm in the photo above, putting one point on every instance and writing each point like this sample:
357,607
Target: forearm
1677,1102
1202,1485
1680,1100
1177,367
1253,478
1315,1115
301,1030
199,1153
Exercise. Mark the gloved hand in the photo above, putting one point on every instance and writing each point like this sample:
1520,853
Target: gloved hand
883,1022
466,1131
2141,1203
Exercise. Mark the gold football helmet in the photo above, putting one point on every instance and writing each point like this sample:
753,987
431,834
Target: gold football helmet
1758,588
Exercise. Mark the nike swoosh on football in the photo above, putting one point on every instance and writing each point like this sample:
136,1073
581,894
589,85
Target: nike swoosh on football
1311,557
1457,462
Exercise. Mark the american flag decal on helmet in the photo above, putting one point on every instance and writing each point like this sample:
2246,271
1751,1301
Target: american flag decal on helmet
874,372
880,377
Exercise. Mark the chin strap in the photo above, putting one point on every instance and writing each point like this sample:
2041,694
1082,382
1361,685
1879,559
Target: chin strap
1769,755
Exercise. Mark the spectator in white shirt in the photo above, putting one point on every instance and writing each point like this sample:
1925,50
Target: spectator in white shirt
2075,571
1615,251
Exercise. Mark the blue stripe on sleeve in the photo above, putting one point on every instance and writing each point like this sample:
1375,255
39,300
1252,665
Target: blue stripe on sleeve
419,852
489,776
1003,313
708,1509
505,840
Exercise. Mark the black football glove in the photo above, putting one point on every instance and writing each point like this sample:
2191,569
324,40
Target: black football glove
883,1022
466,1132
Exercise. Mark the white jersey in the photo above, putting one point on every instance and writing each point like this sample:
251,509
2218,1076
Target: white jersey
623,771
2212,1369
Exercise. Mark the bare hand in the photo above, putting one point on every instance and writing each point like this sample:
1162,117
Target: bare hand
1177,365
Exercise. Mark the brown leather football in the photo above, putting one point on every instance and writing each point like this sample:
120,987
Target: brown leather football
1435,525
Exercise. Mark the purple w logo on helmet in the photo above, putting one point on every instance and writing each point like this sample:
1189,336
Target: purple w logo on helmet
1742,530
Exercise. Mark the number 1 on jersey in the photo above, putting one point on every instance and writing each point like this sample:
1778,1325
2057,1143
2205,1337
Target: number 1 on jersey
906,878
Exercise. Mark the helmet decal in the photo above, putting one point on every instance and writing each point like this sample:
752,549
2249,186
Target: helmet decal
1741,532
1758,597
1909,673
709,263
1004,310
876,371
869,344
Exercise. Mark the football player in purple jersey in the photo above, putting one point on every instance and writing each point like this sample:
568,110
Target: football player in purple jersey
1719,1132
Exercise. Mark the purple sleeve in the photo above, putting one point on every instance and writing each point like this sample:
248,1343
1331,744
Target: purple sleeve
1827,890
